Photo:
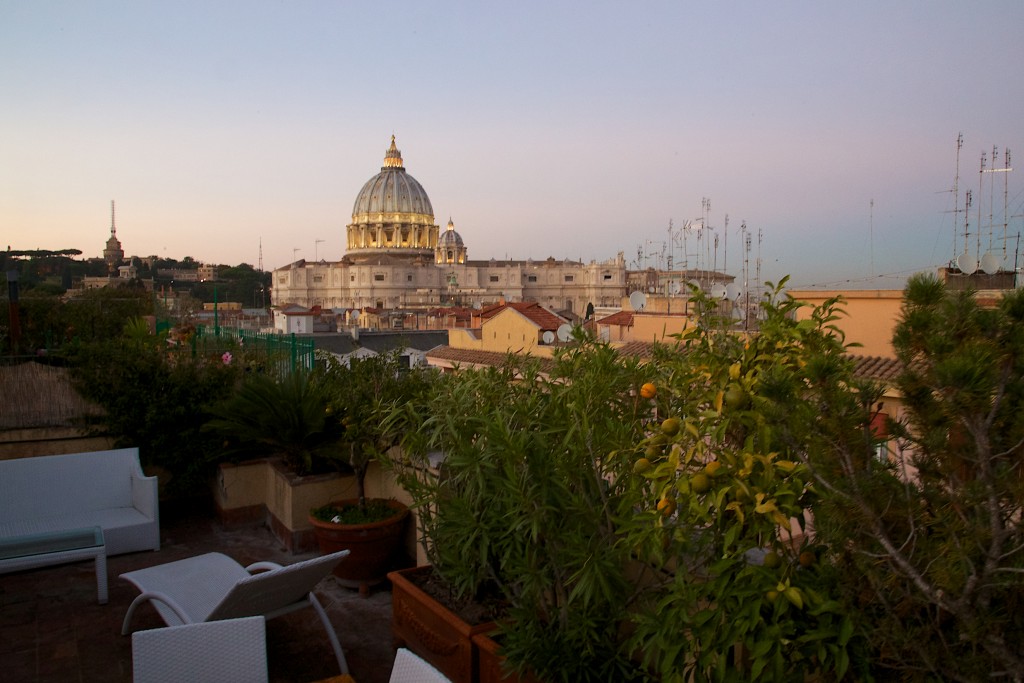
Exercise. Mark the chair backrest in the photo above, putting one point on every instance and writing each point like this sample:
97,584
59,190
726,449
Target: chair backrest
409,668
275,591
231,651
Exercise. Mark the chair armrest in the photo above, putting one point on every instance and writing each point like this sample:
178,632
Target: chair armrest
262,567
155,596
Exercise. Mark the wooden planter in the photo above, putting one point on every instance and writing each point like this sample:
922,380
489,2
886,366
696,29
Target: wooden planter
489,662
432,631
374,547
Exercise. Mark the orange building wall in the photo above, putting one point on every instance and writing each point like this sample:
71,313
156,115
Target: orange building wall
870,318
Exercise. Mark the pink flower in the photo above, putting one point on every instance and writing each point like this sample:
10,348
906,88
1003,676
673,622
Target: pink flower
226,358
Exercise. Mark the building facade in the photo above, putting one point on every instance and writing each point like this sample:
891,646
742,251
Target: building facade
397,258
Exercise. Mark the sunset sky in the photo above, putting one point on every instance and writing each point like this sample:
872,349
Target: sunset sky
565,129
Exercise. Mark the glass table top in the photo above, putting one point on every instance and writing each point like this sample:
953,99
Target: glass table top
50,542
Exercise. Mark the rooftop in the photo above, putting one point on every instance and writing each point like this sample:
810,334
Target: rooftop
52,629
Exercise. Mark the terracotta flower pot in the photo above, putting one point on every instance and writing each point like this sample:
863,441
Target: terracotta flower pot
374,547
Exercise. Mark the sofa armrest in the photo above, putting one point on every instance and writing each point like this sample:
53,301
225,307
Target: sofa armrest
146,499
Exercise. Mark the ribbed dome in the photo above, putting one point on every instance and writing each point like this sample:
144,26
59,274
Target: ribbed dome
392,190
392,215
450,238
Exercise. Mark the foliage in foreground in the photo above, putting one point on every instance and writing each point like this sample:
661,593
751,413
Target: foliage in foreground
155,398
930,546
740,593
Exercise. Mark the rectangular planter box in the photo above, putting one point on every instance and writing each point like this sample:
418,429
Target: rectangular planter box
432,631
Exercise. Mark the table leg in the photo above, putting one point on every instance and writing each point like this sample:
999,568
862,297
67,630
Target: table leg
101,576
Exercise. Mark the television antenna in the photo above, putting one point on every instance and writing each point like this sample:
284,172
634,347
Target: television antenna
316,245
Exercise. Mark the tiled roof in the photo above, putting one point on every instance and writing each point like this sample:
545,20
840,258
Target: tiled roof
866,367
622,318
877,368
540,316
471,357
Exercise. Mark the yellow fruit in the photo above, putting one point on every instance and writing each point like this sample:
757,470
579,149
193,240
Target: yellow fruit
772,595
772,560
666,506
648,390
652,451
807,558
641,466
711,469
700,483
670,427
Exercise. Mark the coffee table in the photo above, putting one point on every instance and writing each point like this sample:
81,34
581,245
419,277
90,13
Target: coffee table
29,551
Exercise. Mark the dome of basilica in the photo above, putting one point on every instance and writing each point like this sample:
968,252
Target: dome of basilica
392,213
392,190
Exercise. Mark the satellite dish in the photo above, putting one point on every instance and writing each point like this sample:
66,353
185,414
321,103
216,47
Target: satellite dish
695,284
355,316
637,300
548,336
673,287
564,333
718,292
966,263
991,262
733,291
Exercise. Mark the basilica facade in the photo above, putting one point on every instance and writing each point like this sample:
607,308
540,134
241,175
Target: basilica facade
398,259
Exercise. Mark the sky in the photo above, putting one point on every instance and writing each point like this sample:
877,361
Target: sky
229,129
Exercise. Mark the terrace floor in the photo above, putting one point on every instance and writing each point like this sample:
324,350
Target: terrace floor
52,628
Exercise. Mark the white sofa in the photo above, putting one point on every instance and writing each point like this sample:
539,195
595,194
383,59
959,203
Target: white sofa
61,492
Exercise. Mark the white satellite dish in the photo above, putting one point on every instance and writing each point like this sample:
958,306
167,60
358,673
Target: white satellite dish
355,316
966,263
637,300
564,333
718,292
548,336
695,284
673,288
733,291
991,262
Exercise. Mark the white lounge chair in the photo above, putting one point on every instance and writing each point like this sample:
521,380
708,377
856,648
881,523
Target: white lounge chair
409,668
227,651
212,587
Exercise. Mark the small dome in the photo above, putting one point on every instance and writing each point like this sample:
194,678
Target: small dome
450,238
392,190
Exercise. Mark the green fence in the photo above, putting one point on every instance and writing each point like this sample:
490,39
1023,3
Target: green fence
284,350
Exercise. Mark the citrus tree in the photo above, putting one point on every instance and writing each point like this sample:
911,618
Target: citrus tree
735,590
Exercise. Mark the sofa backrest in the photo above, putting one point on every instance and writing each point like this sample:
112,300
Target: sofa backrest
52,485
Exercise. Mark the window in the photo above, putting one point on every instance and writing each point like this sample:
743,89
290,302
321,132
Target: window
531,278
569,278
318,278
607,277
352,277
379,277
494,278
408,278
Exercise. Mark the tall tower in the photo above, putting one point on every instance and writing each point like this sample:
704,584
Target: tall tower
113,254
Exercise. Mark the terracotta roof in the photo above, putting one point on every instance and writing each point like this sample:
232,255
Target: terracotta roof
877,368
540,316
471,357
622,318
866,367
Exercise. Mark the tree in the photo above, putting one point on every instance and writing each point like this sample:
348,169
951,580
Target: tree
737,591
930,542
